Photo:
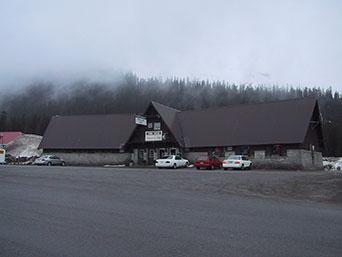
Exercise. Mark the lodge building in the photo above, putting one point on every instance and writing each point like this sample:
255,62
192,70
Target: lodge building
283,134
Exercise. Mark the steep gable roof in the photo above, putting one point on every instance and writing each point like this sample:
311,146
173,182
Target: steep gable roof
169,115
88,131
281,122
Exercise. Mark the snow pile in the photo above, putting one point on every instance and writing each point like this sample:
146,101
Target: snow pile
332,163
25,146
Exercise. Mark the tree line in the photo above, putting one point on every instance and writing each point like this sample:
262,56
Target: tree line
30,109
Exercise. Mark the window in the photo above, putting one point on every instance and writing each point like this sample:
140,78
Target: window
202,158
151,153
157,126
150,125
234,157
178,158
268,152
275,150
279,150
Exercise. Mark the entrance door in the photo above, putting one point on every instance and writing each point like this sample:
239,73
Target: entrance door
162,152
141,155
173,151
151,156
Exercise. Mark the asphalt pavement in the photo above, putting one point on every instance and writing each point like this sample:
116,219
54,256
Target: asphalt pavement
78,211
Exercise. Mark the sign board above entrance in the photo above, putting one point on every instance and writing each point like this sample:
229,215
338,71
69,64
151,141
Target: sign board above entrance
140,120
153,136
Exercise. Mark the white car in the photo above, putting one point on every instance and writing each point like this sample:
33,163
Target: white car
236,162
338,165
171,161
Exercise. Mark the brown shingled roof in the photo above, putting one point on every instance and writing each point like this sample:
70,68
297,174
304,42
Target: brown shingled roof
169,115
88,131
281,122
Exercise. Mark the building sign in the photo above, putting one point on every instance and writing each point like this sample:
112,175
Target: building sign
140,120
151,136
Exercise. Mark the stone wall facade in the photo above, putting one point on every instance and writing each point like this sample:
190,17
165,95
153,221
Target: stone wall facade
295,159
193,156
93,159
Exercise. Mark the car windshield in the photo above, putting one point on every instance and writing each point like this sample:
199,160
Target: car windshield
166,157
234,157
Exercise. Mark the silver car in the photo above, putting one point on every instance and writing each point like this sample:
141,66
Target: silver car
49,160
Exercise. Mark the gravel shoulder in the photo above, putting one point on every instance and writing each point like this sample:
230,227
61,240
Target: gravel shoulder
310,186
317,186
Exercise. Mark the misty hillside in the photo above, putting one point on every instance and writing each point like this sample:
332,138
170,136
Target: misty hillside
30,109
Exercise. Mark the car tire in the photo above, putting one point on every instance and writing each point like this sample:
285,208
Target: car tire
49,164
225,168
242,167
338,168
174,166
63,164
198,168
186,165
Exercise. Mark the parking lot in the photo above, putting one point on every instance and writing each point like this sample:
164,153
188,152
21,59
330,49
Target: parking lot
86,211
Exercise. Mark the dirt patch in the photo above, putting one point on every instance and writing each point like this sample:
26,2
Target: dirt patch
321,188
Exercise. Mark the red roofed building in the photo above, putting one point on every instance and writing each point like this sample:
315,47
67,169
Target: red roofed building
7,137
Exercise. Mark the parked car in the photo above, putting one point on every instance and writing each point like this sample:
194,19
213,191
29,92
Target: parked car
237,162
208,163
171,161
49,160
338,165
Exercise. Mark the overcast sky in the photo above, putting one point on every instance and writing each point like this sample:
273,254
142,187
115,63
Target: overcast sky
258,41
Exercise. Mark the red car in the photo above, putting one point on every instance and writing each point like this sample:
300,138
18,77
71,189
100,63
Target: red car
208,163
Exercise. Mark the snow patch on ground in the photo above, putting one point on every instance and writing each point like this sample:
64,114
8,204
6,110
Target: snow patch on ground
25,146
333,163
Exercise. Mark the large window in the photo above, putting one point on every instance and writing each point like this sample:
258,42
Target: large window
279,150
275,150
156,126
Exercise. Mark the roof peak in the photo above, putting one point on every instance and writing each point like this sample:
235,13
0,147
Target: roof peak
163,105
